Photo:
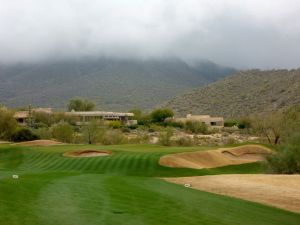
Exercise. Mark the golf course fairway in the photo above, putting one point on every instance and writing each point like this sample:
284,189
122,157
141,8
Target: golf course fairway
120,188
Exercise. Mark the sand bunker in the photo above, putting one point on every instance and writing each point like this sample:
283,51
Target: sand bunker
215,158
86,153
281,191
39,143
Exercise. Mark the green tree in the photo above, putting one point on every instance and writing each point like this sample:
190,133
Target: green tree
63,132
159,115
24,134
287,158
42,118
8,124
79,104
93,131
276,127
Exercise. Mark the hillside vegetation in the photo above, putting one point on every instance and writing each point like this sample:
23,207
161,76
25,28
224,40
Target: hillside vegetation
247,92
113,84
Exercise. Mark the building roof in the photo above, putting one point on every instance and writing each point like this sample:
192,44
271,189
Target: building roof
43,110
25,113
21,114
98,113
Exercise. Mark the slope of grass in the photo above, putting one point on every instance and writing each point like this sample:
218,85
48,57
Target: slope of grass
117,189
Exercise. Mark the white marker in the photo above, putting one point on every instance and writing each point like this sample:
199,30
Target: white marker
187,185
15,176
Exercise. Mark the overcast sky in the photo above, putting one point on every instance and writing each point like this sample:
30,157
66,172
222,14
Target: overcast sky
239,33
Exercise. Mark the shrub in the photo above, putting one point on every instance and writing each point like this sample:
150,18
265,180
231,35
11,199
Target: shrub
125,130
196,127
144,120
79,104
230,141
63,132
159,115
133,127
42,119
184,141
113,137
8,124
155,128
43,133
244,123
230,123
114,124
24,134
287,158
93,131
172,123
165,137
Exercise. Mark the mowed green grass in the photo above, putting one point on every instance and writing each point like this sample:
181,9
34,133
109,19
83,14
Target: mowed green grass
122,188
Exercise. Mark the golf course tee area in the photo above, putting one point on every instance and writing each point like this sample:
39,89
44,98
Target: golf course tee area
62,185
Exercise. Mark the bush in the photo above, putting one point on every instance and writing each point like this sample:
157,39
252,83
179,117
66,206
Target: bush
114,124
93,132
8,124
42,119
79,104
196,127
165,137
113,137
24,134
159,115
244,123
63,132
144,120
155,128
172,123
230,123
43,133
125,130
184,141
133,127
287,158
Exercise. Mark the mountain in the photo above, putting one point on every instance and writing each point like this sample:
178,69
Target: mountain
114,84
212,71
245,93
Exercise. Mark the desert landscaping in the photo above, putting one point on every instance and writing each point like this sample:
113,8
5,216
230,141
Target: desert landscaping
150,112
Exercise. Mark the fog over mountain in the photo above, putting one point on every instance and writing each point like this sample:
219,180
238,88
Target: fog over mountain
113,84
242,34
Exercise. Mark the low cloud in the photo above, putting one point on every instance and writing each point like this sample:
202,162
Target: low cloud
244,34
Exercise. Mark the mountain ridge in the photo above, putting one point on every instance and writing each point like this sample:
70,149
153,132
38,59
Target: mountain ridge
242,94
113,84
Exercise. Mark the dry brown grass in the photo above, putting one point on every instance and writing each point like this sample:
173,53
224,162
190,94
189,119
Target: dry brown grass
280,191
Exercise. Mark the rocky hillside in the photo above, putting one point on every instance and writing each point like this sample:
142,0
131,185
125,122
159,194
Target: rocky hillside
113,84
247,92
